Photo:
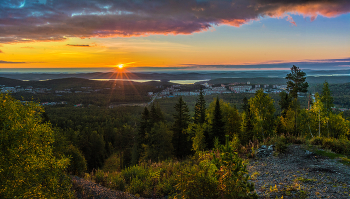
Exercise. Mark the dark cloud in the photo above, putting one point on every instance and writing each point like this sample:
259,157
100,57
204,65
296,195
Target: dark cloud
1,51
77,45
27,21
10,62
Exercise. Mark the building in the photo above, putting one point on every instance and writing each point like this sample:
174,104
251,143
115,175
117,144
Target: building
240,89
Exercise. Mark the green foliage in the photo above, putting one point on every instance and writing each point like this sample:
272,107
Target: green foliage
159,143
247,133
296,82
198,140
326,97
222,174
284,102
28,168
200,109
113,163
281,144
341,146
262,110
217,128
77,164
181,143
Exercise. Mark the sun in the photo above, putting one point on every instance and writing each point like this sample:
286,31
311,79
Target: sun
120,66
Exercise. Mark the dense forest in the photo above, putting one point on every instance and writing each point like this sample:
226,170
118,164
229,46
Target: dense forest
192,147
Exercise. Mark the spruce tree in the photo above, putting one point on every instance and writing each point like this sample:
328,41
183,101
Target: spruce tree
245,105
296,82
284,102
247,133
199,109
156,115
181,144
141,137
326,97
218,125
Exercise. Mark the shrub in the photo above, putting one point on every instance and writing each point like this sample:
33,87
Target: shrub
112,163
100,177
139,186
77,164
281,144
134,172
224,175
316,141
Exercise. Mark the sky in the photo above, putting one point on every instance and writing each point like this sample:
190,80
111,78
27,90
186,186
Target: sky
183,34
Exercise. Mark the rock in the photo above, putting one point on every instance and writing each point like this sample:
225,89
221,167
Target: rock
308,152
265,151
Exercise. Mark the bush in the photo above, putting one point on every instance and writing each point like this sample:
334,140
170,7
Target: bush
112,163
341,146
117,182
222,176
281,144
134,172
139,186
77,164
316,141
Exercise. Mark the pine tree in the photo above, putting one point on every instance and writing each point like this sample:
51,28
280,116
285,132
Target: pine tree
245,104
326,97
218,125
296,82
247,133
156,115
141,136
327,100
158,146
199,109
284,102
181,144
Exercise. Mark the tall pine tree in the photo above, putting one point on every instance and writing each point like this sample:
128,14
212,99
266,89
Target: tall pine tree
218,126
199,109
181,144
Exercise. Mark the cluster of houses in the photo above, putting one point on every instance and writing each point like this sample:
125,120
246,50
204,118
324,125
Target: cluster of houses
209,89
29,89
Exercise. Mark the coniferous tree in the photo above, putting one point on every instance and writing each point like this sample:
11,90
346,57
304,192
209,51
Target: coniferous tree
247,133
326,97
218,126
181,144
296,82
158,146
199,109
140,140
245,105
156,115
284,102
327,100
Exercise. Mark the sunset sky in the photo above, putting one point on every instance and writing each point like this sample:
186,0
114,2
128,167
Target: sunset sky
201,34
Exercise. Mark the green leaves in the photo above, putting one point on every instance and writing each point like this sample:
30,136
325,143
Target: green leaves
296,82
29,169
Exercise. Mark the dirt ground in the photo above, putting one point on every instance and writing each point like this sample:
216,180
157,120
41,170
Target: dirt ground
296,174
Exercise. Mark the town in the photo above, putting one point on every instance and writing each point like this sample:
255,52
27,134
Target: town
209,89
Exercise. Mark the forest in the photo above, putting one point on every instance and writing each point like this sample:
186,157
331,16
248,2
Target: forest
192,147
